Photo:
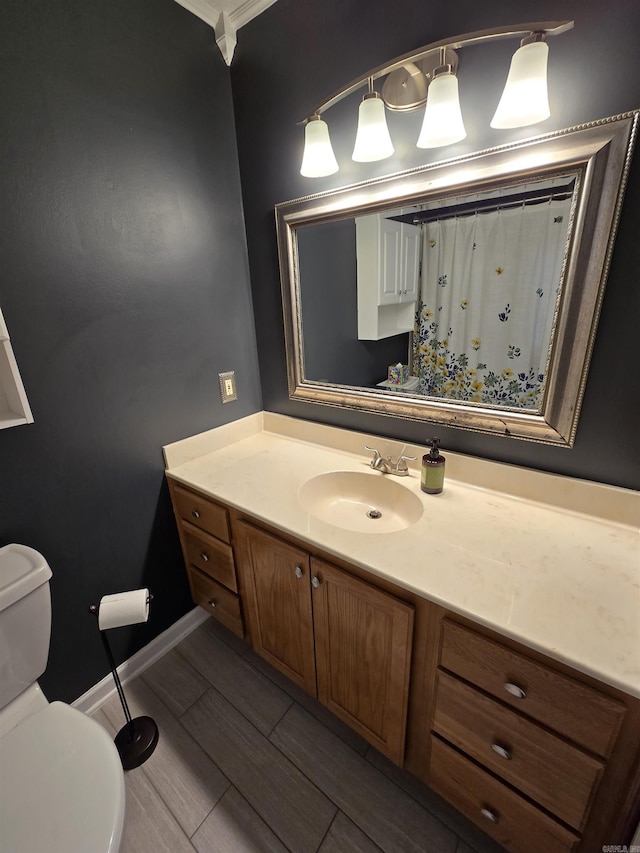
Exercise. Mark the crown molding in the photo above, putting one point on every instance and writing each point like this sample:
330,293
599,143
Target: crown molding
226,17
204,9
247,11
226,37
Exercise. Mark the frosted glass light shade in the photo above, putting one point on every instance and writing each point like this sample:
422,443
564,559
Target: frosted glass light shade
525,99
372,139
318,159
442,124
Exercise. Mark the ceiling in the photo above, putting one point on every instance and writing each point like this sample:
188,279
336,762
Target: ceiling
226,17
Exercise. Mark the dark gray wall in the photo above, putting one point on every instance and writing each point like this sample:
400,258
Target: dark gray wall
328,276
124,284
300,51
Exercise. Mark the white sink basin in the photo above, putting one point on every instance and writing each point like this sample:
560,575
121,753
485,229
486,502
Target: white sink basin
359,501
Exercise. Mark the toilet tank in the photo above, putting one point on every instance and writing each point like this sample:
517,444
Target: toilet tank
25,619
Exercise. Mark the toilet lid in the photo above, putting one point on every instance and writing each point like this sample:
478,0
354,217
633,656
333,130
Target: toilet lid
61,785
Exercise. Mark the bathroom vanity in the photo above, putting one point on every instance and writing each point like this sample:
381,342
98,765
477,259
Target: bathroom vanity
487,640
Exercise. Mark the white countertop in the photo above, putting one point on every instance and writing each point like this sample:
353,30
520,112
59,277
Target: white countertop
537,557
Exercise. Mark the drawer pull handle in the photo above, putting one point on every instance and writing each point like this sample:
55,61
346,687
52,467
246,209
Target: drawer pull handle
315,582
514,690
204,556
489,815
195,513
211,602
298,572
501,751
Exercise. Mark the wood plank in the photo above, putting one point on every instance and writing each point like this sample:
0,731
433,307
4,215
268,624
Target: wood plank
468,831
385,813
297,812
229,638
257,698
345,837
149,826
310,704
175,681
234,827
179,769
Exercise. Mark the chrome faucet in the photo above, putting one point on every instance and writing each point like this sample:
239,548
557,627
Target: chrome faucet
387,465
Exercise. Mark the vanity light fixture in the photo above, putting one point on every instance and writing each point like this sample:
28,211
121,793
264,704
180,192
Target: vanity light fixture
442,124
373,141
525,99
319,159
429,75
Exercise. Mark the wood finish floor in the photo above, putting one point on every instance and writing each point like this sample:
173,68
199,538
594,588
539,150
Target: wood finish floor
248,763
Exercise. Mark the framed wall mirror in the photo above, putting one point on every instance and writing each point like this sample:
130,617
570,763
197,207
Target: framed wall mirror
464,293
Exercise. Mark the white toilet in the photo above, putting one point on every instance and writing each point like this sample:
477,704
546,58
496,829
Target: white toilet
61,780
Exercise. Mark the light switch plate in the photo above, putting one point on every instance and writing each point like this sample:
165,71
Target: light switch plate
228,386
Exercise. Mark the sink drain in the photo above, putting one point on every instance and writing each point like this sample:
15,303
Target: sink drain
374,513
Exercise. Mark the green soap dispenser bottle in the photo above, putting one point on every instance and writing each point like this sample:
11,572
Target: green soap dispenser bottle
432,480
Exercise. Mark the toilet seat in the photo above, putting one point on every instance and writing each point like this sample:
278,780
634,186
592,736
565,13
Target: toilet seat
61,785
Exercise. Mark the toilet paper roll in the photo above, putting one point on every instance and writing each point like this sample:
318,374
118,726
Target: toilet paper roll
123,608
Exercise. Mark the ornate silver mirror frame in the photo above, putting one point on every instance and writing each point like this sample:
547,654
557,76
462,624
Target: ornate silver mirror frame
599,153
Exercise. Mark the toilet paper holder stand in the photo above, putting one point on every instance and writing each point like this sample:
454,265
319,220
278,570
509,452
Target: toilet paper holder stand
138,738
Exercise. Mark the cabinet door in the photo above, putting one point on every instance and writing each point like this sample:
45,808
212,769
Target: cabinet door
363,655
410,262
278,599
389,261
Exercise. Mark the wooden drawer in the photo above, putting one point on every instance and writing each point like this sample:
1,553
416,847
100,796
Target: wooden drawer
576,711
217,600
205,514
503,814
211,556
546,768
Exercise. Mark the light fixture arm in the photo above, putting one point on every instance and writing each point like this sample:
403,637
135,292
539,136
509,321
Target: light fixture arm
443,66
546,28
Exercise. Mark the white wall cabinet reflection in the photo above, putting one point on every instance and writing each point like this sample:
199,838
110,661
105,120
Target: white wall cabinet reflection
388,264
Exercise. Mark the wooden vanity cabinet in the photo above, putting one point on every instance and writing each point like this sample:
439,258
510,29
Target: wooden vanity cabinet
542,758
335,635
538,756
205,537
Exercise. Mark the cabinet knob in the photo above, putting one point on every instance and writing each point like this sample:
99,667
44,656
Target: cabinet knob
299,572
211,602
195,513
489,815
502,751
514,690
204,556
315,582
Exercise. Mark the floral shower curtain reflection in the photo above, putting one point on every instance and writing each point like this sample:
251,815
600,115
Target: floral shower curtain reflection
487,301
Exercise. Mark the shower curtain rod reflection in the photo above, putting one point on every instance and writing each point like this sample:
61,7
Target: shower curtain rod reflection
490,205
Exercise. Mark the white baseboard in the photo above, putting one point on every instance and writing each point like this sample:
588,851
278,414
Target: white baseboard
97,695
